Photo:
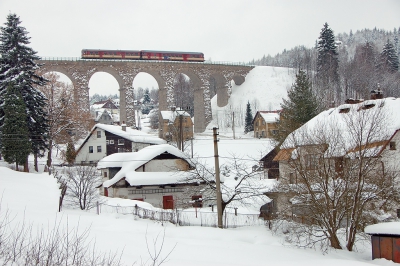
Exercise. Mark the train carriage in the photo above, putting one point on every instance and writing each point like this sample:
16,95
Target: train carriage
110,54
142,55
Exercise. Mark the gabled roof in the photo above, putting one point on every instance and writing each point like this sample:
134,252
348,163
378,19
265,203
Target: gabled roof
130,161
130,134
335,119
268,116
172,115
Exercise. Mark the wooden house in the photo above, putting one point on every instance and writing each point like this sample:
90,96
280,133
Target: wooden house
265,124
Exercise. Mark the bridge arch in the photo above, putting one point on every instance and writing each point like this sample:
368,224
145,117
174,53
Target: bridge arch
79,72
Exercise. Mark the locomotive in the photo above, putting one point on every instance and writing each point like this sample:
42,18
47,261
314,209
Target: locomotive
142,55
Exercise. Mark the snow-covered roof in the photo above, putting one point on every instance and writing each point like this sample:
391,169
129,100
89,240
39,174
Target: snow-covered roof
269,117
171,115
130,161
130,134
391,228
335,121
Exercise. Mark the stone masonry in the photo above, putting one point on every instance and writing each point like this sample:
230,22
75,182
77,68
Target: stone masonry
80,71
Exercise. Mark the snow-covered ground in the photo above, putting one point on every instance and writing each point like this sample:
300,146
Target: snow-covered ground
34,198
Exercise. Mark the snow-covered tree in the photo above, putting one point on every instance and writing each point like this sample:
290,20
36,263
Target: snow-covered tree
18,65
299,108
15,145
327,60
389,60
248,126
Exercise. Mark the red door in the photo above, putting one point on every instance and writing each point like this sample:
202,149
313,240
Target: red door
168,202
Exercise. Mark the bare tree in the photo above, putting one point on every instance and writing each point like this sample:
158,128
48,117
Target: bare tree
66,120
82,182
337,177
183,93
241,183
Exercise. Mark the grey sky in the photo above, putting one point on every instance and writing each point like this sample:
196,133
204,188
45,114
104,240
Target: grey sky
229,30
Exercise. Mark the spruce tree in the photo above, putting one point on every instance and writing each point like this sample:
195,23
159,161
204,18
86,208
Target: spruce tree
18,64
248,119
15,144
299,108
389,60
328,57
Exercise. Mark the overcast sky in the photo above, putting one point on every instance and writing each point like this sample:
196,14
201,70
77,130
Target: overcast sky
224,30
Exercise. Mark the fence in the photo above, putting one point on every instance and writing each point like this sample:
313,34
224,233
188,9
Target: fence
185,217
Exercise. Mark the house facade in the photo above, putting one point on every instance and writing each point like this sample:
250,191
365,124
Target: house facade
265,124
156,174
176,123
355,135
104,140
105,112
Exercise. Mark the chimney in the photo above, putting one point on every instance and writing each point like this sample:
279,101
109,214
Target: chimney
173,108
123,126
377,94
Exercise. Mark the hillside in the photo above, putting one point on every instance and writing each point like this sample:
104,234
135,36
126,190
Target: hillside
264,88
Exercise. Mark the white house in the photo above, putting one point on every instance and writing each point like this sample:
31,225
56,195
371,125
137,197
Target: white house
156,174
105,140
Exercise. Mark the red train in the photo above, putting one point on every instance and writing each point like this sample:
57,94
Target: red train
142,55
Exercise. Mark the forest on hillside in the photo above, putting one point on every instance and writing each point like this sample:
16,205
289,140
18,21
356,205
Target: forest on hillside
362,64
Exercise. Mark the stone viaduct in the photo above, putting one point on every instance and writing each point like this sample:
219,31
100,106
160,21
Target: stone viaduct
80,71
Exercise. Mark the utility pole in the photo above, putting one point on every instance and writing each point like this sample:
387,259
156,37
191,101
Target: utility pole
233,124
181,132
217,179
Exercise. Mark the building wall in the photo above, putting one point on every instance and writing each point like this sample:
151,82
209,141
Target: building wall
263,129
84,156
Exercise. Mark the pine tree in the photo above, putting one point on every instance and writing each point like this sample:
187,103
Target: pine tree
14,133
389,60
299,108
146,97
328,57
17,64
248,119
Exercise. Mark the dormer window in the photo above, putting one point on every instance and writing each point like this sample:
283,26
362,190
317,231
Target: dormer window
392,145
344,110
367,106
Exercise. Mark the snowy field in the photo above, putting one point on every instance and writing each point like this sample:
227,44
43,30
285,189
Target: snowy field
34,199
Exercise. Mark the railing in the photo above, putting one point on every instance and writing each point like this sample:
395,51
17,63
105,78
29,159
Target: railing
78,59
185,217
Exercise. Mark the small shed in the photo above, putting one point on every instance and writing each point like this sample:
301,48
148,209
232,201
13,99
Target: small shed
385,238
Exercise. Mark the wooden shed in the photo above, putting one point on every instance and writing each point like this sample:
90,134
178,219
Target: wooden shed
385,239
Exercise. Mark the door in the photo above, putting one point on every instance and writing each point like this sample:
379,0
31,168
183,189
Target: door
168,202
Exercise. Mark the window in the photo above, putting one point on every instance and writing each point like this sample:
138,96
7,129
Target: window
98,134
107,142
121,150
263,133
105,174
121,141
311,161
90,149
98,148
274,132
111,141
392,145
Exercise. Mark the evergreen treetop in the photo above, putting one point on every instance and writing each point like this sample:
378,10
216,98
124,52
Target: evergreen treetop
299,108
389,59
328,57
248,119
